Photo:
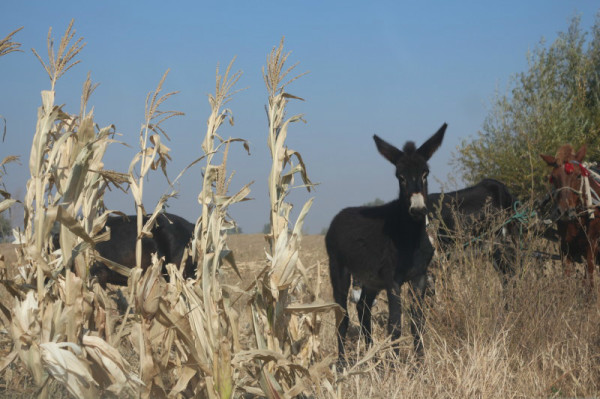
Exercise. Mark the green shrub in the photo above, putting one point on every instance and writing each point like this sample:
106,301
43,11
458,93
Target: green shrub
555,101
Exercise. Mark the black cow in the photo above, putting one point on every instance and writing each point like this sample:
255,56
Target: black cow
385,246
170,236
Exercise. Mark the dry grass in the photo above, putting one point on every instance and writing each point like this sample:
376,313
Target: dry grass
539,338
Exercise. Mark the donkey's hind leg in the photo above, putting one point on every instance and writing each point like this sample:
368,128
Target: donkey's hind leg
363,307
340,282
504,259
591,265
418,286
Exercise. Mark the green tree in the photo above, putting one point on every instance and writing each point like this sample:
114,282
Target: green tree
556,101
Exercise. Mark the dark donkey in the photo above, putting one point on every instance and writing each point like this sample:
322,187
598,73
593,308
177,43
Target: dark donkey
470,209
473,210
385,246
170,236
577,197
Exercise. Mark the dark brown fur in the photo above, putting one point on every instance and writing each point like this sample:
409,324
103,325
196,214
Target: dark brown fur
579,232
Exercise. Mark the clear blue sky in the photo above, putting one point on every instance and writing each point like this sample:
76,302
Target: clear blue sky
398,69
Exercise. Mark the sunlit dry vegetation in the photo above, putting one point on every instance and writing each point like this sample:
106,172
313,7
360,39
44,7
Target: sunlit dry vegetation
257,319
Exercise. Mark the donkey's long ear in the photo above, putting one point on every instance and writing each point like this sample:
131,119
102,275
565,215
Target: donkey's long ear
390,152
550,160
434,142
581,153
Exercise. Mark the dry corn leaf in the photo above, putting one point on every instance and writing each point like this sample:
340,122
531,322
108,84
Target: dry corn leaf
47,114
109,360
69,369
317,306
270,386
8,359
151,289
24,319
184,377
77,174
72,224
5,311
5,204
114,266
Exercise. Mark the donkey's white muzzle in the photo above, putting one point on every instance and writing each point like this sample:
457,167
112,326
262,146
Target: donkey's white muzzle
417,205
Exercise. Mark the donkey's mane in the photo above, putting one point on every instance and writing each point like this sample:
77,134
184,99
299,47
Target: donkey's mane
409,147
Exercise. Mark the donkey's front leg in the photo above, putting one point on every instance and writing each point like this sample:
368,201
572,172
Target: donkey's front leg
395,312
418,286
592,250
566,258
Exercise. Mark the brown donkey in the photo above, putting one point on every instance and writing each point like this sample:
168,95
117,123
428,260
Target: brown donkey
577,199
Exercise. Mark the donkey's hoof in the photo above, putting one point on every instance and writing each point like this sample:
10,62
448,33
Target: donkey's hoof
341,364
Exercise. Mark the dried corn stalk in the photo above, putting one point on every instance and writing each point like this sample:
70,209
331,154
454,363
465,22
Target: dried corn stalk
286,334
147,289
212,320
188,332
7,202
153,154
7,46
66,186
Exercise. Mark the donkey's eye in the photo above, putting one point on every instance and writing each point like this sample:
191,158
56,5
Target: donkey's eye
402,179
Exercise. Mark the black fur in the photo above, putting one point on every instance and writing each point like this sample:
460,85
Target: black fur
385,246
170,236
470,202
472,206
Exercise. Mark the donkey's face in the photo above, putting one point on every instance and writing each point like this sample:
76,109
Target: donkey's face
412,169
565,179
